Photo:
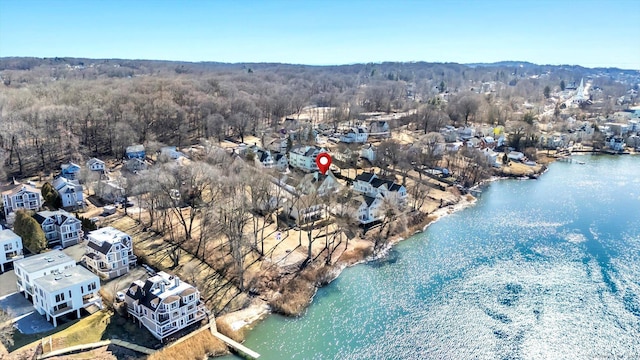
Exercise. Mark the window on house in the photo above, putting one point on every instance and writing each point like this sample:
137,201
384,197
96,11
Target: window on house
59,297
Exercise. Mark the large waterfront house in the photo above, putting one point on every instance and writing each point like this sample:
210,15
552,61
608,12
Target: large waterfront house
164,304
369,184
70,192
19,197
10,247
60,227
109,253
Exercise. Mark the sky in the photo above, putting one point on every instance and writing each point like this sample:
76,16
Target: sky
603,33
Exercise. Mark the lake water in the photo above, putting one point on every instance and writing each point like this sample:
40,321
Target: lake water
539,269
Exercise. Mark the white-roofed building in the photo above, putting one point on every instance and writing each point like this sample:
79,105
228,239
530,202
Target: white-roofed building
109,253
29,269
62,292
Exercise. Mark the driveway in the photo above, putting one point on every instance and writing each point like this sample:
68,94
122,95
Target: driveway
26,319
76,251
8,283
122,283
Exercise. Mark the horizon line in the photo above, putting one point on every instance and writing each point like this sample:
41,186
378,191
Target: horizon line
319,65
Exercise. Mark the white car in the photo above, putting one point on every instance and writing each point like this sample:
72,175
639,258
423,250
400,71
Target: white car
120,296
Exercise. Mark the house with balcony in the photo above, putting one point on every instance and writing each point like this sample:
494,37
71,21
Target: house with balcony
66,292
21,196
70,192
10,248
60,227
70,171
164,304
29,269
109,253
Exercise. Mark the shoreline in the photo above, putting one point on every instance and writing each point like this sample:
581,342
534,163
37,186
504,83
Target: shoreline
243,321
252,315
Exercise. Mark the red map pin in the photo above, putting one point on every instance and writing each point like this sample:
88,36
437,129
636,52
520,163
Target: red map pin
323,160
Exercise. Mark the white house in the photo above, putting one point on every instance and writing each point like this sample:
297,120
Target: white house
616,143
109,252
60,227
171,152
10,247
135,164
368,152
280,161
95,164
29,269
379,128
264,158
21,197
110,192
369,184
70,192
164,304
67,291
515,155
492,156
303,211
367,208
304,157
355,135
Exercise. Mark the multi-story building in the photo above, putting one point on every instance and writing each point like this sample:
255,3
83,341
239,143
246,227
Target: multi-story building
62,292
34,267
304,157
164,304
21,197
10,247
109,253
70,192
60,227
369,184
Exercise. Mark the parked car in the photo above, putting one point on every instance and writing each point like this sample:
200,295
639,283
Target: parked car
120,296
149,269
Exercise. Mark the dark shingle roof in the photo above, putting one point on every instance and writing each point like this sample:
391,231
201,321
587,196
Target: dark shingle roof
366,177
369,200
104,248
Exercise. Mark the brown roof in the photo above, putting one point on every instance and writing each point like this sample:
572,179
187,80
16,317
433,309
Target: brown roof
170,299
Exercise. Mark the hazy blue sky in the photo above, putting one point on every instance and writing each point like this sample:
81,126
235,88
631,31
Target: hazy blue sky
588,32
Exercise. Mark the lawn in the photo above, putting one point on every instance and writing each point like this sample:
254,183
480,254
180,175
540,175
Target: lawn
100,326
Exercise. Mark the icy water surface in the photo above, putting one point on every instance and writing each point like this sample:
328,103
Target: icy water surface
546,269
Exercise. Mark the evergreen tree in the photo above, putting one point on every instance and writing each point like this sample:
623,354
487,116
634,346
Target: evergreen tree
51,197
547,92
562,85
30,231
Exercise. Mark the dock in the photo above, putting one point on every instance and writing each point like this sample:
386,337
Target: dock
237,346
